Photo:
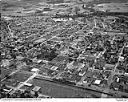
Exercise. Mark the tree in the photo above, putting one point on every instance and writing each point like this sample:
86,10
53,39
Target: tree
36,94
77,9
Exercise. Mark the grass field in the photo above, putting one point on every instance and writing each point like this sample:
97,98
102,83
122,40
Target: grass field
20,76
60,91
5,72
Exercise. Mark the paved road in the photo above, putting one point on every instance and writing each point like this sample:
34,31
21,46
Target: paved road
22,84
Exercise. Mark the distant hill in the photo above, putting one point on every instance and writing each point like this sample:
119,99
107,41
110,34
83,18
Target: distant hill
111,1
93,1
17,3
100,1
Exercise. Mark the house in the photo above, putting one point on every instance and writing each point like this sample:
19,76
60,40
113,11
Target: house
54,68
82,73
35,70
109,66
115,86
26,84
5,63
88,80
7,89
121,58
89,74
97,82
36,89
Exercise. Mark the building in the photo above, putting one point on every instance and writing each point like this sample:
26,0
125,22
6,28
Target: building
61,19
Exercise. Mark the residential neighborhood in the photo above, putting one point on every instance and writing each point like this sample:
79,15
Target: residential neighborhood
63,50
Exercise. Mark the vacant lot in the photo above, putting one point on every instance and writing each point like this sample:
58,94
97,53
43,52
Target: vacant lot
5,72
59,90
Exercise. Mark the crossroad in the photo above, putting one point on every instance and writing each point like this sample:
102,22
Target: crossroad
22,84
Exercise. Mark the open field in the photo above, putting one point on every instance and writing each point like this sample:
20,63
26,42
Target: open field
60,91
5,72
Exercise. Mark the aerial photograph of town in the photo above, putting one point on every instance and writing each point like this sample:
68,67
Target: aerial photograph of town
64,49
